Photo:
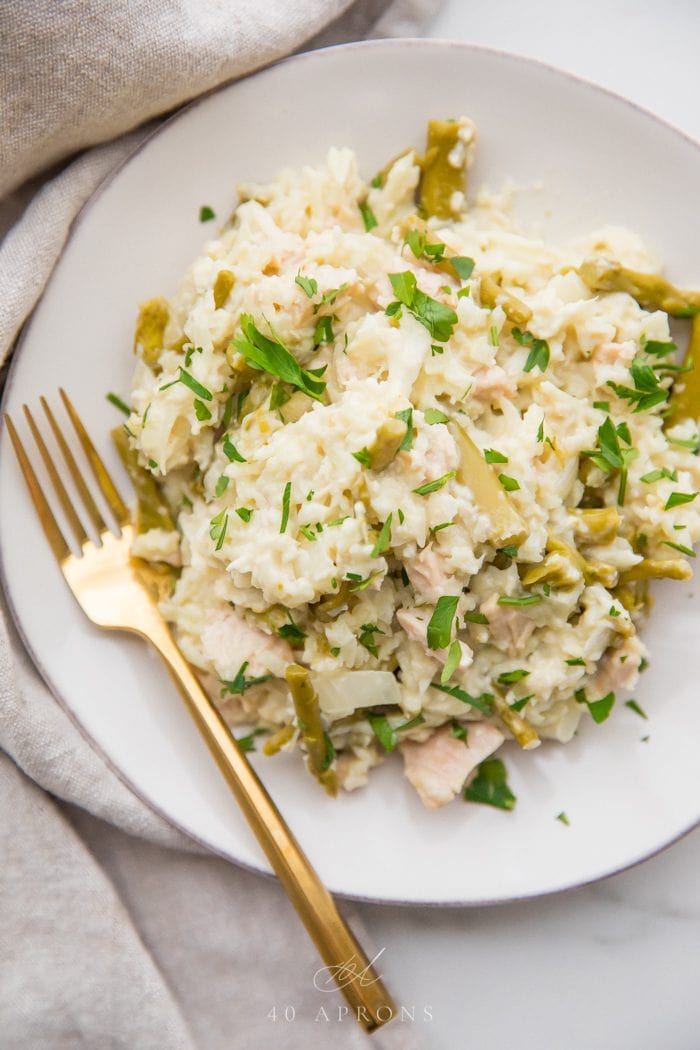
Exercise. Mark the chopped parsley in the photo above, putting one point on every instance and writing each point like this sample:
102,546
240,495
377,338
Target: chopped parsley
278,396
244,513
439,631
307,531
368,217
307,284
217,528
490,786
206,214
634,706
247,743
221,485
510,677
360,582
491,455
647,392
518,705
458,731
521,600
475,617
481,703
434,486
563,819
383,731
463,266
323,332
603,406
454,655
286,497
657,475
383,539
291,633
509,551
118,403
231,452
270,355
599,709
240,683
406,416
366,637
677,499
420,247
434,415
680,548
538,356
188,380
201,411
610,456
433,315
509,484
362,456
576,661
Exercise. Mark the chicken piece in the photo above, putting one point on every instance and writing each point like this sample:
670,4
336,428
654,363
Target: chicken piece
428,575
618,670
492,383
228,641
438,768
509,628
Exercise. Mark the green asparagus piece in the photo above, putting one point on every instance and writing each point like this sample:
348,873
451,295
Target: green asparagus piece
310,726
684,402
651,291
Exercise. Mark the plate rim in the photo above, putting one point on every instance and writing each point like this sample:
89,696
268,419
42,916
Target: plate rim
317,55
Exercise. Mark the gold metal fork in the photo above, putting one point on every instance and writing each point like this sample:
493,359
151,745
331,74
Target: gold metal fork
109,586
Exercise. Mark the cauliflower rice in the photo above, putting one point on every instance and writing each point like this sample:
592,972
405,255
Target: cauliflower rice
411,492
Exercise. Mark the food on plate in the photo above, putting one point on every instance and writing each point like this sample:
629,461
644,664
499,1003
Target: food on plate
410,470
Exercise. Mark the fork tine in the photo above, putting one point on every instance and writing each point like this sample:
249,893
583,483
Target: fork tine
64,498
89,503
53,533
102,476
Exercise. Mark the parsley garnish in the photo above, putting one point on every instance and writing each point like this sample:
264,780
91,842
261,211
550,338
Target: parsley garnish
490,786
454,655
368,216
576,661
362,457
406,416
286,496
522,600
307,284
539,350
434,415
563,819
603,406
491,455
201,411
383,730
679,547
278,396
189,381
510,677
361,583
458,731
634,706
269,355
677,499
247,743
323,332
439,630
509,484
383,539
217,528
481,703
463,266
657,475
240,683
436,317
475,617
366,637
118,403
291,633
610,456
434,486
307,531
420,247
231,452
244,513
518,705
600,709
221,485
206,214
647,392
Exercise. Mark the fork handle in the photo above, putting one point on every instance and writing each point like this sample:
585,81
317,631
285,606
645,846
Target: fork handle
345,960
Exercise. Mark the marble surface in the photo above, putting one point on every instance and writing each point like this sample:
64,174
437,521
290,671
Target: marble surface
611,966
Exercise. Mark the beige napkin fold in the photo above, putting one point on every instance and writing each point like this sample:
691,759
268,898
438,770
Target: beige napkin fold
116,931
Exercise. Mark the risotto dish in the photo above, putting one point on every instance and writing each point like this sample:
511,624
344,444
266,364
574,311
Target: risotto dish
406,472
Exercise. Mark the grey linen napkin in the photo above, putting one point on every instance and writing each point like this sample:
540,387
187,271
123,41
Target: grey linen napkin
116,930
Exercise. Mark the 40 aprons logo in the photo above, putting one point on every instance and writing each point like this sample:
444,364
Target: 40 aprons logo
330,979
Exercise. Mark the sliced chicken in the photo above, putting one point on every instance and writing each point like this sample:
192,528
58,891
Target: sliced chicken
415,624
509,628
439,767
492,383
618,670
228,641
428,575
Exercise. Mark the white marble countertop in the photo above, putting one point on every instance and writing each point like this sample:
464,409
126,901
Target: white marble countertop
611,966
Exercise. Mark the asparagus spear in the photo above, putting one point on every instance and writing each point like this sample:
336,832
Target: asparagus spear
684,401
444,172
150,326
310,726
651,291
152,512
474,471
490,293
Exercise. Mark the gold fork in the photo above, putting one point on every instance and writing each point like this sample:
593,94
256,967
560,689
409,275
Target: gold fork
112,589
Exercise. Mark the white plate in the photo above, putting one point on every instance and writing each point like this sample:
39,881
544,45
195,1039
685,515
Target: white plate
600,160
